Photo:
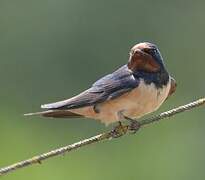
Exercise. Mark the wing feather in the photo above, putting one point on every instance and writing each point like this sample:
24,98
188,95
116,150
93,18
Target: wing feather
108,87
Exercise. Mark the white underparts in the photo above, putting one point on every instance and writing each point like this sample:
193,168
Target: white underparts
140,101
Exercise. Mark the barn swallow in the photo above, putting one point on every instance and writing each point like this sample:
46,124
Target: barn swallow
132,91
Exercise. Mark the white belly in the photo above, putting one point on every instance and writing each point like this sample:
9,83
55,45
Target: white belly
140,101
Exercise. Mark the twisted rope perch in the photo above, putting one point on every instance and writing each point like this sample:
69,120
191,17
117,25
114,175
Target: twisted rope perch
98,138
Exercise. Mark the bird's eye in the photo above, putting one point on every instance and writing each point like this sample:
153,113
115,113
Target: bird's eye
147,50
150,51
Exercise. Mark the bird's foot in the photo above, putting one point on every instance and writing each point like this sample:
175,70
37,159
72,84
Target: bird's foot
119,130
134,125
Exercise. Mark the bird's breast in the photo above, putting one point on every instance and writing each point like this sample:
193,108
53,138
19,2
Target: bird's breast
142,100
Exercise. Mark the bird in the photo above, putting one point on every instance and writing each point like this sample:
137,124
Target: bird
137,88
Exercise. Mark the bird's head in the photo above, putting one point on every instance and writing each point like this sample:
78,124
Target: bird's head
146,57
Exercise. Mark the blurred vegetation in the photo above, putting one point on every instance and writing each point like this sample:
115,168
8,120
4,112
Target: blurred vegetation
51,50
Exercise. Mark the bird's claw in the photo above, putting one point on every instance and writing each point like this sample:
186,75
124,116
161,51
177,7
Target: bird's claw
134,125
119,130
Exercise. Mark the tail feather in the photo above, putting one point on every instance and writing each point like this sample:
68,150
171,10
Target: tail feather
56,114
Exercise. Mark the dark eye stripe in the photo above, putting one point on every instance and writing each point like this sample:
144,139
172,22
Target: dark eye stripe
147,50
150,51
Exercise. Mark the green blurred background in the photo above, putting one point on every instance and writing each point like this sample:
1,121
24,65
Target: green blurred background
54,49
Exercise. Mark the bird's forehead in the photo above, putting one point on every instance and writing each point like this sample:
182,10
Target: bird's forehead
143,45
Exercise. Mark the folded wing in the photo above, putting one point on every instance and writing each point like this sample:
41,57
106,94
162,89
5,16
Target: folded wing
108,87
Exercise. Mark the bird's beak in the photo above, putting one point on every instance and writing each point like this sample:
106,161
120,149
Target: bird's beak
139,52
150,61
142,60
